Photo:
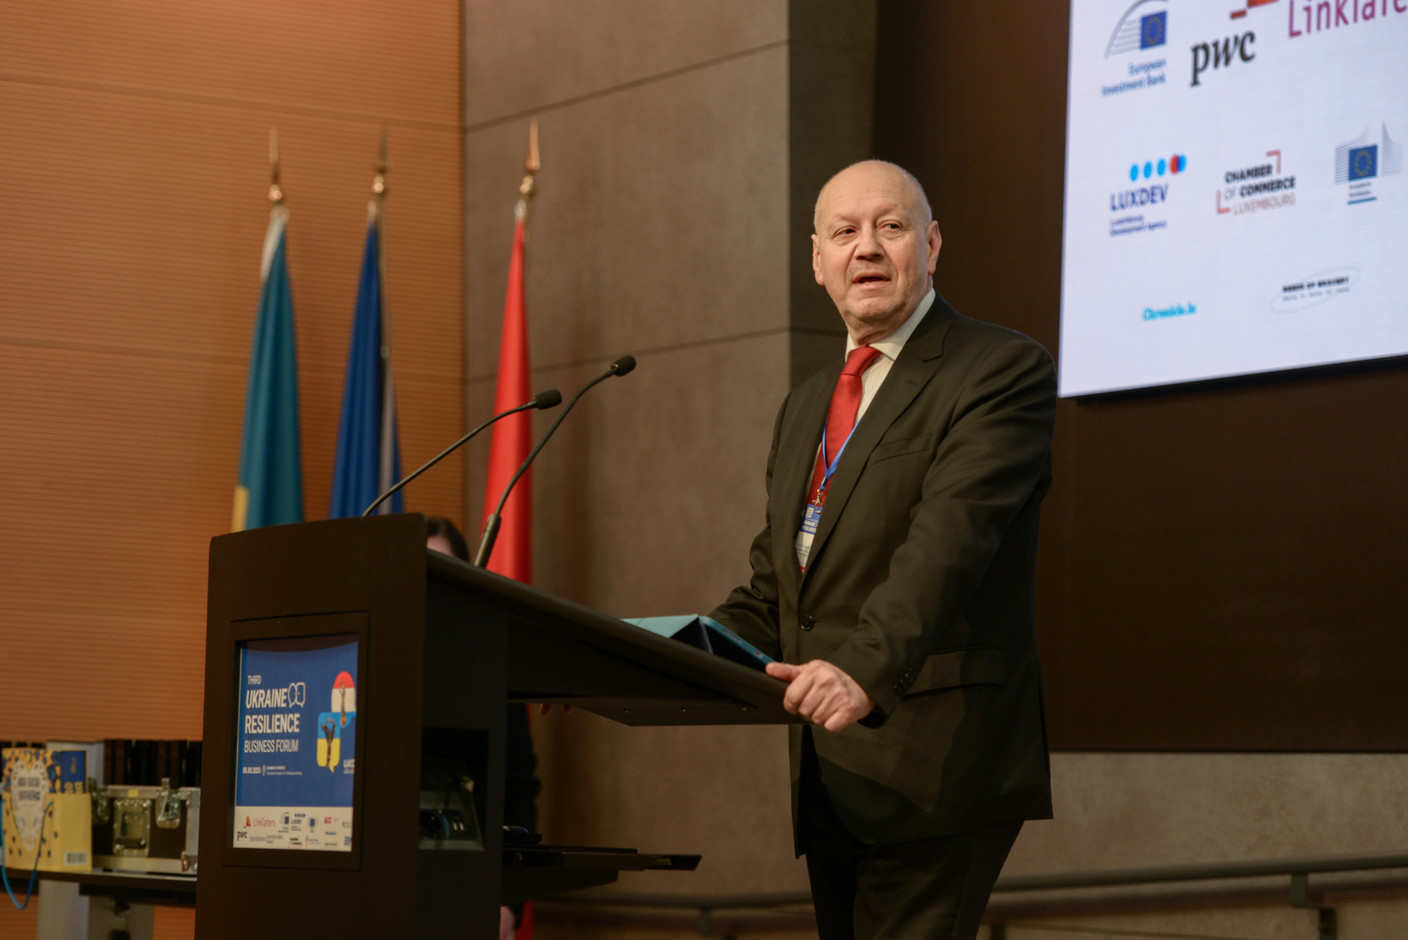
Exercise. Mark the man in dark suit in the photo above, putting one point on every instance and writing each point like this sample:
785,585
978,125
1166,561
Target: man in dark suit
893,580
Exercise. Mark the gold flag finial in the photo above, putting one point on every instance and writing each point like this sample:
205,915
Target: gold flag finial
276,193
382,165
530,162
528,187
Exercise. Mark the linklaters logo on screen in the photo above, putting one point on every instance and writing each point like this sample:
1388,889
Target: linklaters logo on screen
1256,188
1139,207
1137,45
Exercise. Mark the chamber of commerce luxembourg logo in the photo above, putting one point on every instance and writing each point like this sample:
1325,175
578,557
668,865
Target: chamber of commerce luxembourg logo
1256,187
1138,43
1138,207
1362,161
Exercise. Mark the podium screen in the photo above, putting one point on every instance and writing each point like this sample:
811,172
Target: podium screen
295,744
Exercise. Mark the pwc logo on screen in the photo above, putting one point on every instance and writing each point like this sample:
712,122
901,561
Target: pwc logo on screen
1140,206
1223,52
1136,49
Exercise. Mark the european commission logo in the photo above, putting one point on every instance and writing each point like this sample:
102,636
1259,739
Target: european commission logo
1361,161
1135,31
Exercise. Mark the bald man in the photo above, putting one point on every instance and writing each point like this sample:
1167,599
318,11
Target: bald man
893,580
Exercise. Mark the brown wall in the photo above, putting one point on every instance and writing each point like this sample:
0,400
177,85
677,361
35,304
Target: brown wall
134,154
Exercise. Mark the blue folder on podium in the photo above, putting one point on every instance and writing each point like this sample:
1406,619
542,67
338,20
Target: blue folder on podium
707,634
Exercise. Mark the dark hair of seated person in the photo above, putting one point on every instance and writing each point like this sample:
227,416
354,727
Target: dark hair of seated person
439,525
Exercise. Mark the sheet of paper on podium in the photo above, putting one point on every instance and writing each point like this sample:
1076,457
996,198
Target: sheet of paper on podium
707,634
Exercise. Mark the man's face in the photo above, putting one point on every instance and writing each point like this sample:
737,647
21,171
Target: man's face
875,248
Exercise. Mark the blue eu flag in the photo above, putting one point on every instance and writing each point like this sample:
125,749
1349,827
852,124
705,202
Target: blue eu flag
1364,162
1153,30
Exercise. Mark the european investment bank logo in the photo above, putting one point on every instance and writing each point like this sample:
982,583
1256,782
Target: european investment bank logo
1138,45
1138,30
1359,162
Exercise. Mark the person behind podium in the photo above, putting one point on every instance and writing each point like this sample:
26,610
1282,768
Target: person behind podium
521,784
893,580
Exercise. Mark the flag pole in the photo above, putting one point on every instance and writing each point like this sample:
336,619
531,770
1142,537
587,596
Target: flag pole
387,471
512,438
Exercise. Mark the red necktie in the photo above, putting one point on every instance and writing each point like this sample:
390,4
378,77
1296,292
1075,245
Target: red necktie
841,415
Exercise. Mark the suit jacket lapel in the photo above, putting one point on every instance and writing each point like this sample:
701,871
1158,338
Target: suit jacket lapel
914,368
792,477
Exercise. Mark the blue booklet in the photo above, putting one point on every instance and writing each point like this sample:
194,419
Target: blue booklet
707,634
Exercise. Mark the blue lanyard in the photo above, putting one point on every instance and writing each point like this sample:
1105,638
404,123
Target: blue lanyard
830,468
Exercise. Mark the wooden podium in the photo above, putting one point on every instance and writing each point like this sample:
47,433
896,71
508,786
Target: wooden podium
441,648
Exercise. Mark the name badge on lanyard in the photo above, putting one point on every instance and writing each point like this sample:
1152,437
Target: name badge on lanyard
812,519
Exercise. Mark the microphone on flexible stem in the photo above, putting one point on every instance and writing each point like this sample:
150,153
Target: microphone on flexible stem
491,525
548,399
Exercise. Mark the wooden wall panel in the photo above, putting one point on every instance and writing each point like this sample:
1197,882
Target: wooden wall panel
135,157
355,58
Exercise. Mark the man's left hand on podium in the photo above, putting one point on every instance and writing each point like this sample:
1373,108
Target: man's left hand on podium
822,693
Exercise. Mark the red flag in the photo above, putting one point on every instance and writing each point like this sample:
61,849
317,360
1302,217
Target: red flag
513,436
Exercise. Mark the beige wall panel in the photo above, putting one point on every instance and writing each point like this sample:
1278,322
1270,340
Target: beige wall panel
719,792
1116,811
660,219
364,57
1139,810
651,492
532,54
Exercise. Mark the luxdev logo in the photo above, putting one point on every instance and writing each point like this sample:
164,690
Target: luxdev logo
1131,205
1153,193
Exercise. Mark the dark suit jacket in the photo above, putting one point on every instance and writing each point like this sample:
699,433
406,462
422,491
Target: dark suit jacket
919,581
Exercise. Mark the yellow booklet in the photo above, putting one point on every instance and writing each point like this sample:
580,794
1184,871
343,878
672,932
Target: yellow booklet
48,811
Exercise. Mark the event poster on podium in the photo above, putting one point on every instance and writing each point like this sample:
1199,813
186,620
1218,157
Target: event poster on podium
1235,195
296,744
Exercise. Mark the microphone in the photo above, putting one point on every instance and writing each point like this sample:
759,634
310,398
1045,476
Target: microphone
621,366
548,399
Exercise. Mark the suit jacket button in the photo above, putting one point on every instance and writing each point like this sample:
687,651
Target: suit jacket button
808,623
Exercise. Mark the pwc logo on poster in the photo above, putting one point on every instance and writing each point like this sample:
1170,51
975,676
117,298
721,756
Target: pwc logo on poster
1220,53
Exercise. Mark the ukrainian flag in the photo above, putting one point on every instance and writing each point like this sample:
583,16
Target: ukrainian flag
270,488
